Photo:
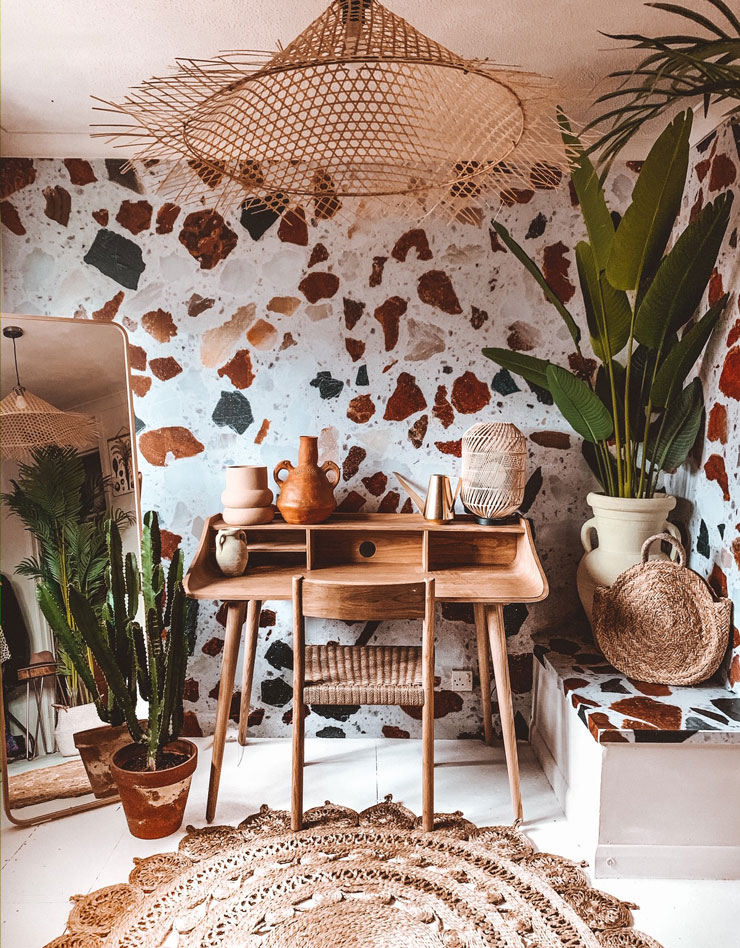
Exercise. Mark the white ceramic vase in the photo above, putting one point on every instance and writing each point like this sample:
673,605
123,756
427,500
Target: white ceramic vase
232,551
621,524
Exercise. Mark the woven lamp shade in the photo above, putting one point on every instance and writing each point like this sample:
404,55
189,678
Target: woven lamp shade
359,105
494,469
37,423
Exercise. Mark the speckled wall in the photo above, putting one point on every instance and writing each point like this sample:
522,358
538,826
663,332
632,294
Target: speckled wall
362,331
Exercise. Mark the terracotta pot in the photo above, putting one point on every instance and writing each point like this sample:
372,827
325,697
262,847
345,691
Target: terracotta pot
622,524
154,801
97,747
307,493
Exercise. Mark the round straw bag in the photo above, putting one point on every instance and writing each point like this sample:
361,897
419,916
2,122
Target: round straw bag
660,622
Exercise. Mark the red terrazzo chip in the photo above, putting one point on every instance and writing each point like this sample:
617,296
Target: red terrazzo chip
442,410
389,315
407,399
176,440
435,289
415,239
319,286
293,228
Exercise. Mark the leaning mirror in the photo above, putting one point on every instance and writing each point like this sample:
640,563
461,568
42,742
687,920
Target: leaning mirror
67,441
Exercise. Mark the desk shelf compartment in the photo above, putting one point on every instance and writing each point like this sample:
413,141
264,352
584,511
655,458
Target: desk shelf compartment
391,548
453,549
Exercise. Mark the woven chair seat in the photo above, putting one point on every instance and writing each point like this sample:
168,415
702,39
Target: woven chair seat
355,674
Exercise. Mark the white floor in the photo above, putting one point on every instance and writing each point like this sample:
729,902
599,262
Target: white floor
44,865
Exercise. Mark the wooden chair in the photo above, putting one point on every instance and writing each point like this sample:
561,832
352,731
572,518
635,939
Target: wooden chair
352,674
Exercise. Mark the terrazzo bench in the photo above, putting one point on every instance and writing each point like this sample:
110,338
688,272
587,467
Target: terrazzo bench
649,775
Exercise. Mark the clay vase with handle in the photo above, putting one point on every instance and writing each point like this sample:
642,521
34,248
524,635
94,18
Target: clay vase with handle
307,493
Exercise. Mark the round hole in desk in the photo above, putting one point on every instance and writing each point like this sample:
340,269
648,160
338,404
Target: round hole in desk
367,549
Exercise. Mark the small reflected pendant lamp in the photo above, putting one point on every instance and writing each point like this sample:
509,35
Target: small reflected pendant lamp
28,422
361,105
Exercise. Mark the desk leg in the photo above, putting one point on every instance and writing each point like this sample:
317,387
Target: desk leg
484,670
250,650
234,622
497,637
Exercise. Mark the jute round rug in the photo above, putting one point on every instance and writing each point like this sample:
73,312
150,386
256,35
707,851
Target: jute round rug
352,880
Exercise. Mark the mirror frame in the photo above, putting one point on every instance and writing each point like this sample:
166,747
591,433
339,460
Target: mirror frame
4,777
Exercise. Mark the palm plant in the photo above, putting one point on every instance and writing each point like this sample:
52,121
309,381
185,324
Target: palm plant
677,67
635,416
55,499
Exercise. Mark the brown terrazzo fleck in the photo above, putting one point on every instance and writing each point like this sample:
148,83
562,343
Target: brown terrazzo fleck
108,311
435,289
469,394
80,171
415,239
351,464
58,204
262,335
135,216
355,347
140,385
101,217
293,228
668,717
165,368
729,380
376,483
552,439
418,431
158,443
352,312
214,646
285,305
11,219
376,274
389,315
523,337
288,341
239,369
715,470
718,581
453,448
198,304
390,730
442,410
389,504
319,285
352,503
407,399
166,217
361,409
512,196
477,317
207,238
262,433
15,174
723,172
190,725
137,357
159,324
318,255
650,688
717,423
555,269
445,702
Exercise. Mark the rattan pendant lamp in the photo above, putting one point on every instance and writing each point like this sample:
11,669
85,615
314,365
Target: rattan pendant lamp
28,422
360,105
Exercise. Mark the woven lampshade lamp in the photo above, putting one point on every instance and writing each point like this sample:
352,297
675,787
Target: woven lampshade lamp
359,105
28,422
494,469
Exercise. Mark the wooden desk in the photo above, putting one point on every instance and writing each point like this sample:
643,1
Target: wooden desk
487,566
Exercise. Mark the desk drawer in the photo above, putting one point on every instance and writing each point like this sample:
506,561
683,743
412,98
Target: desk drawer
381,547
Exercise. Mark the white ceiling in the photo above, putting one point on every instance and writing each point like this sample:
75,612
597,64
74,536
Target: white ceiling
66,362
56,54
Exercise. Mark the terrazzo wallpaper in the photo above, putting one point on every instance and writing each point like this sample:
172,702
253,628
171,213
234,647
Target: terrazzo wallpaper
247,331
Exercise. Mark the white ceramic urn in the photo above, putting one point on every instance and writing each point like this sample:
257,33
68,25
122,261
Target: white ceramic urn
232,551
621,524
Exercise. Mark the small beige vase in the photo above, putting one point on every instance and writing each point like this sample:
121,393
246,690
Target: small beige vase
621,524
232,551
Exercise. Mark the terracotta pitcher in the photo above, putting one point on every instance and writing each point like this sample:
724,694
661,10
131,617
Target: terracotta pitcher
307,493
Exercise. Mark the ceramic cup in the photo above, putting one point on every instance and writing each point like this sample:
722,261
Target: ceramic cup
246,486
232,552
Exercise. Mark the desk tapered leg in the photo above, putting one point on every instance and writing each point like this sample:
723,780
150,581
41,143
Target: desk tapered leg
234,622
484,670
497,637
250,650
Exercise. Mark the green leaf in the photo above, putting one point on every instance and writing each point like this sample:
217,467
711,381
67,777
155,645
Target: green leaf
594,460
581,407
608,311
675,436
538,275
70,640
596,216
528,367
678,364
683,274
644,230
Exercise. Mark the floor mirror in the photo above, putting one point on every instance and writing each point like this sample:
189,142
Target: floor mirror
67,438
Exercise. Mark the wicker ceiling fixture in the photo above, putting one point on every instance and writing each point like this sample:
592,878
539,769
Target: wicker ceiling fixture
28,422
359,105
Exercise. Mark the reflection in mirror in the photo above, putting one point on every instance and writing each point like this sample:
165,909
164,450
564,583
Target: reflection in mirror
68,468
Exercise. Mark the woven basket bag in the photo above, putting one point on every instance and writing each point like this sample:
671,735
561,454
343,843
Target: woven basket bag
660,622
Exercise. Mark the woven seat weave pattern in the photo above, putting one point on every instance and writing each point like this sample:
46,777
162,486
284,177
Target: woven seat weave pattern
352,674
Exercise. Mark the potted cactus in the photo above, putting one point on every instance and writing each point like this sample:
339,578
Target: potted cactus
153,771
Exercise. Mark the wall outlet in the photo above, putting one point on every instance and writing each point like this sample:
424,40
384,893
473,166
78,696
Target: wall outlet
461,679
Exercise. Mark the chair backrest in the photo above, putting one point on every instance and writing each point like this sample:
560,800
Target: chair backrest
326,599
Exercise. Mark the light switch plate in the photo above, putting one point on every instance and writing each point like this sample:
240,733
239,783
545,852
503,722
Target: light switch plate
461,679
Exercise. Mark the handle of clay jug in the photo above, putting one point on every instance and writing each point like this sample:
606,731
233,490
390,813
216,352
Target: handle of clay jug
282,466
586,529
331,466
221,539
674,532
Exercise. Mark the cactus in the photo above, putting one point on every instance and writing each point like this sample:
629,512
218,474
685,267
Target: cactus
152,656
